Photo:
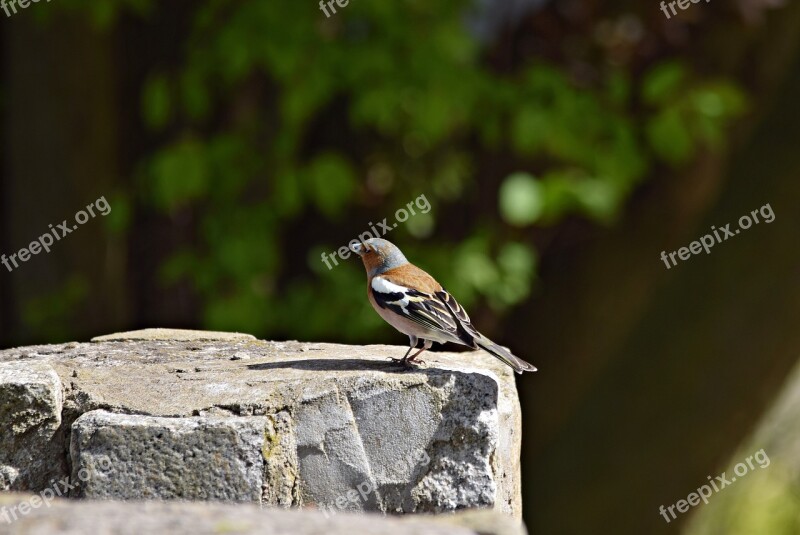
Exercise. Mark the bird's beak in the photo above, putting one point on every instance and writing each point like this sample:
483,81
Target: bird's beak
357,248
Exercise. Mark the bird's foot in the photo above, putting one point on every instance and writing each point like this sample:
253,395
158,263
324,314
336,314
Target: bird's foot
407,362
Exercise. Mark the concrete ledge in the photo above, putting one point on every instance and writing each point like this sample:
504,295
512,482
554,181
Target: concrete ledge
335,427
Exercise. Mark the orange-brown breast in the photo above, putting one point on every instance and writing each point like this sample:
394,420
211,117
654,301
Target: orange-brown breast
411,276
371,260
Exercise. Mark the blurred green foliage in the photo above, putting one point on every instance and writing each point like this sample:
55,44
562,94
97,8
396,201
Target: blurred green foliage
277,116
50,313
768,503
764,499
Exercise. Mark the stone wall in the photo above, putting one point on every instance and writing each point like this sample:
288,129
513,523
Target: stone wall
162,414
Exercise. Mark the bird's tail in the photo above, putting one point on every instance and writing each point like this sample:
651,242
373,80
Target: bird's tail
505,355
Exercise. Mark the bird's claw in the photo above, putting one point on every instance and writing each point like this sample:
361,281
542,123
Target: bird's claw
408,363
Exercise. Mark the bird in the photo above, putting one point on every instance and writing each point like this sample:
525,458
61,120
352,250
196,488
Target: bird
411,301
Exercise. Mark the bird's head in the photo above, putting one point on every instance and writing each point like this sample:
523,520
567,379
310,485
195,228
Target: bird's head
378,255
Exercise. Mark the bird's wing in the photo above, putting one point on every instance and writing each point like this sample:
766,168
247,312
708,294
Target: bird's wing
436,310
480,341
458,312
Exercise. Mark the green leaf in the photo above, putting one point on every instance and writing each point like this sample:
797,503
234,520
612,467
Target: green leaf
529,129
517,263
179,174
663,82
619,88
521,201
118,219
156,106
332,183
597,198
195,96
669,136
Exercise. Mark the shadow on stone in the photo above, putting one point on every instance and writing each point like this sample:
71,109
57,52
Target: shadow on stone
338,365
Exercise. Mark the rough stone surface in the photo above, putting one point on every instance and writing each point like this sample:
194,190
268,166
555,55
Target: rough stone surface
343,427
140,457
65,517
180,335
31,437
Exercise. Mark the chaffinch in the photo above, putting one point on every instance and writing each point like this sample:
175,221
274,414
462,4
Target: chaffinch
415,304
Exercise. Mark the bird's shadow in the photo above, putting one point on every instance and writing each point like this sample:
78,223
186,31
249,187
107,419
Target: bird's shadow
338,365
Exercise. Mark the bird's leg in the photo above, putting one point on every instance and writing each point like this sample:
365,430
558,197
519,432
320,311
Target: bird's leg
412,340
413,358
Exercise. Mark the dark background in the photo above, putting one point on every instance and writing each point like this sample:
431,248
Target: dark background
562,145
